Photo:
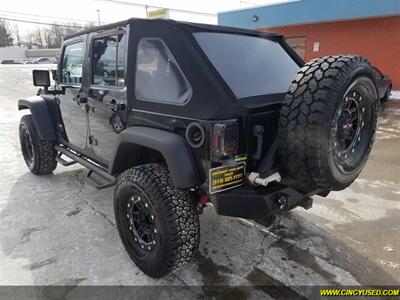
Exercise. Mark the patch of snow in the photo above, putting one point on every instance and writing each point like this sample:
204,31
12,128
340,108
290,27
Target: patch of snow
388,248
391,264
395,95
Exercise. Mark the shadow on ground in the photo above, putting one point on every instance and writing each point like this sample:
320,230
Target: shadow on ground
58,230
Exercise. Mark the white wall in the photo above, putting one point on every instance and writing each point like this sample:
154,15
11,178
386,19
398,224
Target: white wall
12,53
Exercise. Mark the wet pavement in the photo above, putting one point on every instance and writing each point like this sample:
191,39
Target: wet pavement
58,230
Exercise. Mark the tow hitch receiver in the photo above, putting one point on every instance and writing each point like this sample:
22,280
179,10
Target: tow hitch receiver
258,203
256,180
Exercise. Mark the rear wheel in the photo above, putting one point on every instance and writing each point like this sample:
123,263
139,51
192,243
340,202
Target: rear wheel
39,155
328,122
157,222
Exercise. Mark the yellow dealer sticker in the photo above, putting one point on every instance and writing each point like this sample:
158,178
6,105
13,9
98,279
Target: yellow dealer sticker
226,177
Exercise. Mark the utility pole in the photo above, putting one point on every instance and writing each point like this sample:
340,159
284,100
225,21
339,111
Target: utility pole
98,15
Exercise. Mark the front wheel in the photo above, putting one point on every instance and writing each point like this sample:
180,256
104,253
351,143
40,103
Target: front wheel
39,155
157,222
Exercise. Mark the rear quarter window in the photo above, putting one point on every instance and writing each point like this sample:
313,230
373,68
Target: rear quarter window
158,76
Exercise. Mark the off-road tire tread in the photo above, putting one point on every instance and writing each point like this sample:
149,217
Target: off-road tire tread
44,152
304,112
183,220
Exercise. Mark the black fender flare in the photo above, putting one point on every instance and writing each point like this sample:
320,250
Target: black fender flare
41,116
172,147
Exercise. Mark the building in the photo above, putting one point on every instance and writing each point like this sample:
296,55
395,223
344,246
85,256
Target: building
22,53
314,28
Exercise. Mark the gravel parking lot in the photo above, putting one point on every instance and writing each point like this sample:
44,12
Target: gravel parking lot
59,230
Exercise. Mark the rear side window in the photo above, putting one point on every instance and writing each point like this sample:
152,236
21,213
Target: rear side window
158,76
108,61
72,65
251,66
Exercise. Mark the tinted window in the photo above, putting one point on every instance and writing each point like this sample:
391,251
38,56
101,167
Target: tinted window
109,60
72,67
158,76
251,66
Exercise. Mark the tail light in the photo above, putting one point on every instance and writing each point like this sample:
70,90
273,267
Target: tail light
224,140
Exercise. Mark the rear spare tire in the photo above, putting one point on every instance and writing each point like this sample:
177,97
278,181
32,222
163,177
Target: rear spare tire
327,123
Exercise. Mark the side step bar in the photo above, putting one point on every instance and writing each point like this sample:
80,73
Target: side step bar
64,162
110,179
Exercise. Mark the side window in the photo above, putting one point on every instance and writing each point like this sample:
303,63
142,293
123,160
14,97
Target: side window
72,67
158,76
108,61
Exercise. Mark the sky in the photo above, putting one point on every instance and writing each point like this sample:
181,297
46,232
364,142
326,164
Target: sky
79,11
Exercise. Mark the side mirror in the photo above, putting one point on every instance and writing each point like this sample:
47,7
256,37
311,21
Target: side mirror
41,78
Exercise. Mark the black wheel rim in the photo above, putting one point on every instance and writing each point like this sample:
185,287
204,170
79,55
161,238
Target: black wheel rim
27,146
117,124
349,124
351,127
141,220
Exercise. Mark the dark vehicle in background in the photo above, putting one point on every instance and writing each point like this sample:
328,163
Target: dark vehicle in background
10,62
384,85
176,115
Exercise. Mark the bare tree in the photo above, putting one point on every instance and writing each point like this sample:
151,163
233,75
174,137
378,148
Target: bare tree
17,35
38,36
53,36
29,38
6,38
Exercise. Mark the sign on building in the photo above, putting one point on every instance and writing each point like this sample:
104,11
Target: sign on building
161,13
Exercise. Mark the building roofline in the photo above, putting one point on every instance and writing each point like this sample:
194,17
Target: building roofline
303,12
256,6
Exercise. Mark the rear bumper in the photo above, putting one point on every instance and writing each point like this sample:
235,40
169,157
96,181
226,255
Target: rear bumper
258,203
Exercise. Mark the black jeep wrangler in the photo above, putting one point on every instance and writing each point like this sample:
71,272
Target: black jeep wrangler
177,115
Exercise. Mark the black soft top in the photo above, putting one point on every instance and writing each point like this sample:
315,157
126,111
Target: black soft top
188,25
212,98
